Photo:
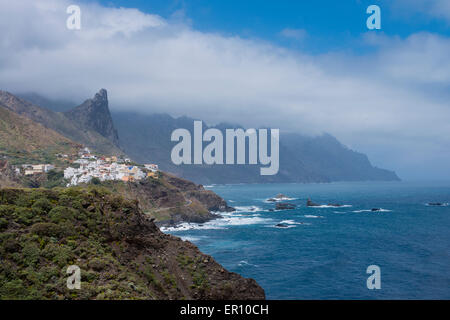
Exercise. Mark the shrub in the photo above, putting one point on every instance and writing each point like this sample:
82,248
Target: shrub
60,214
3,223
46,229
58,254
96,181
31,254
11,245
6,210
97,264
24,215
42,204
13,289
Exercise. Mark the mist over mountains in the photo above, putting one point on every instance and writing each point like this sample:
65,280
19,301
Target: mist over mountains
146,139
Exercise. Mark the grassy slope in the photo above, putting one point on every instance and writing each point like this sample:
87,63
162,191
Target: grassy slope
23,140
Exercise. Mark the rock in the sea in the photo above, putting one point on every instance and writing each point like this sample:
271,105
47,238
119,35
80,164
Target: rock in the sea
309,203
278,197
281,225
436,204
337,205
284,206
375,209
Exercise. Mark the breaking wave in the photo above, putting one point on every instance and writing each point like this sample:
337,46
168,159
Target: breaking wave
331,206
227,219
246,263
369,210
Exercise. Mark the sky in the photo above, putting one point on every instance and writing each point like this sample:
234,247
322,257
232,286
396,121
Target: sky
302,66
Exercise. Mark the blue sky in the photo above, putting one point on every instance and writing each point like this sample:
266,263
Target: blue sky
329,24
302,66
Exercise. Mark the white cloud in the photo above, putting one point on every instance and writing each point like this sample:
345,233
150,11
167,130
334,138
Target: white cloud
395,96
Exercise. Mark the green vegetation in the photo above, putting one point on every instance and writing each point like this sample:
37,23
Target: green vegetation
121,255
49,180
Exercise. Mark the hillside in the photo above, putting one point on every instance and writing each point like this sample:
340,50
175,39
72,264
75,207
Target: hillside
121,254
170,200
59,122
25,141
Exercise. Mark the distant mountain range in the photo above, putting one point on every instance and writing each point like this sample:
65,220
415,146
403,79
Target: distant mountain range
302,158
146,139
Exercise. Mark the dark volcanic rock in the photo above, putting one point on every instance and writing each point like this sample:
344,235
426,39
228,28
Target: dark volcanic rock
281,225
309,203
284,206
94,114
337,205
436,204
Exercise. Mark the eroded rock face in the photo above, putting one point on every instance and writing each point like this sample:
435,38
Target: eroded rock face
95,115
121,253
172,200
211,200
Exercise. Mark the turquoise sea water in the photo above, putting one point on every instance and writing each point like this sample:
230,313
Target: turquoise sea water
324,252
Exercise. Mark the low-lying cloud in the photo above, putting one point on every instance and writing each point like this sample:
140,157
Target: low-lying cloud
389,102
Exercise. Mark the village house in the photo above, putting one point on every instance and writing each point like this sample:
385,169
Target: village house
151,167
104,169
32,169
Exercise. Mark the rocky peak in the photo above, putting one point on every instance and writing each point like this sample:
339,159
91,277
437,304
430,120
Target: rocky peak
94,114
102,95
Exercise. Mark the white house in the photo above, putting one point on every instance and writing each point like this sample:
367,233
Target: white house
151,167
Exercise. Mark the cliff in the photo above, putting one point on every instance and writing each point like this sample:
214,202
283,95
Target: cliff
94,114
171,200
121,254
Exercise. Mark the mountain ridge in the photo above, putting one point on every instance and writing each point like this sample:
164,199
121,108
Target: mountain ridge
146,139
302,158
60,123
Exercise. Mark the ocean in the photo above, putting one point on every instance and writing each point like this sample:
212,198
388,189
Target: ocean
323,252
